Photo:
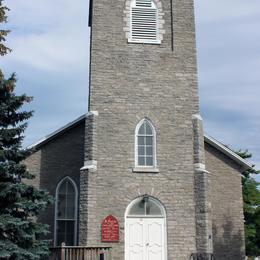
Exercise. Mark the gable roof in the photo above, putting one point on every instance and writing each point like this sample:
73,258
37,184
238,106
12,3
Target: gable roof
227,151
209,140
58,132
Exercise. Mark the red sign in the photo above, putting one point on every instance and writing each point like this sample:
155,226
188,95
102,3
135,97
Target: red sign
110,229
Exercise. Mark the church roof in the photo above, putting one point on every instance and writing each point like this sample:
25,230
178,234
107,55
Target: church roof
208,139
58,132
227,151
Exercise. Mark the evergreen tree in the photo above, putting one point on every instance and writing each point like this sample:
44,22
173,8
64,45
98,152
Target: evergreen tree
251,196
20,204
21,236
3,33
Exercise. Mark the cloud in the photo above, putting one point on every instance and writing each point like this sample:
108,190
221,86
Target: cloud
220,11
228,39
49,35
50,41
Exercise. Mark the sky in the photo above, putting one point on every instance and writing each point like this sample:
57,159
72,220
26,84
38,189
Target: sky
50,42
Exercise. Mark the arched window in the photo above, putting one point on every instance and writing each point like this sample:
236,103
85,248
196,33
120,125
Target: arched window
66,207
145,144
144,22
145,206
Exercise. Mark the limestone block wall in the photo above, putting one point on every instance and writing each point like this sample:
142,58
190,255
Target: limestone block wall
61,157
130,82
114,185
33,164
202,192
227,206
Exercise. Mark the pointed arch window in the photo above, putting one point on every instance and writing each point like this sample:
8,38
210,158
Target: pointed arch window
145,144
66,214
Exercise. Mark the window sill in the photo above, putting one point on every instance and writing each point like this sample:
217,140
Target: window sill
145,170
156,42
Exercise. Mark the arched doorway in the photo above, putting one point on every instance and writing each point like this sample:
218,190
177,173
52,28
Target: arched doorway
145,230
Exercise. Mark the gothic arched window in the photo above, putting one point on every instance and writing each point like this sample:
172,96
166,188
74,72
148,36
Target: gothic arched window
145,144
66,207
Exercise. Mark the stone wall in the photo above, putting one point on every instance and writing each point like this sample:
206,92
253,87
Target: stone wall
130,82
62,156
227,206
202,193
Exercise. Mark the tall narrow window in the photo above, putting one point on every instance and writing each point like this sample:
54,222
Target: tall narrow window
145,144
66,213
144,22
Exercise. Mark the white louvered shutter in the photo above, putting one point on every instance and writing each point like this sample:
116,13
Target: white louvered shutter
144,21
143,3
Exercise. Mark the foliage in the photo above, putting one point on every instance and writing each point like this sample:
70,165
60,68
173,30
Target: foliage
251,196
21,235
3,33
20,204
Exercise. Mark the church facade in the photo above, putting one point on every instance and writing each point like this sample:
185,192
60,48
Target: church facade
140,158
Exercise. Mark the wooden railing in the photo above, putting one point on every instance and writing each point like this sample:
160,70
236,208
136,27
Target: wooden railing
80,253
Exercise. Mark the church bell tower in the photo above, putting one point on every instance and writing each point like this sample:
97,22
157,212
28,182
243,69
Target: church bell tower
144,154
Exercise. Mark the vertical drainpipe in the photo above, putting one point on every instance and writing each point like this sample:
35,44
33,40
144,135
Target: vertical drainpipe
172,43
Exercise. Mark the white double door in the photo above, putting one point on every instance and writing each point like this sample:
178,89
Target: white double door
145,239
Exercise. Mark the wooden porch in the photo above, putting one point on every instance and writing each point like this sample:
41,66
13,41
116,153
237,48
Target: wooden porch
80,253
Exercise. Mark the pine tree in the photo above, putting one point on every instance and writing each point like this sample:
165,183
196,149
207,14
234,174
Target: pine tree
3,33
20,204
251,196
21,236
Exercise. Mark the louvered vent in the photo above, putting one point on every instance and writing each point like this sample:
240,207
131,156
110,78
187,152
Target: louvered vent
144,23
143,3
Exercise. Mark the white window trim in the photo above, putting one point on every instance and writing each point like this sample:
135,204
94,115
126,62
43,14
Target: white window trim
75,213
157,41
137,166
128,23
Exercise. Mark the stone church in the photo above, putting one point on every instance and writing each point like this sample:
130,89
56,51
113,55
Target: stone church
137,173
